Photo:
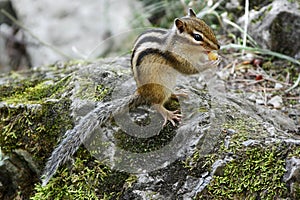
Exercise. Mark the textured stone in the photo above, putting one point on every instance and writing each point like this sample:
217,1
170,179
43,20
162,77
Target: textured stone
277,27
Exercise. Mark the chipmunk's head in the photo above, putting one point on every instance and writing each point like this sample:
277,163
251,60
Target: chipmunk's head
196,33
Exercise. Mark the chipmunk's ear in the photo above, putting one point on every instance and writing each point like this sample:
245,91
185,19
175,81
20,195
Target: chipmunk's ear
179,24
191,13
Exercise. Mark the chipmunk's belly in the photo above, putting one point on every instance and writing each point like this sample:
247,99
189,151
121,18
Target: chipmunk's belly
158,74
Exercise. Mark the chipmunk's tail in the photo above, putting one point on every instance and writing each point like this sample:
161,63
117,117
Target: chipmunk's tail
74,138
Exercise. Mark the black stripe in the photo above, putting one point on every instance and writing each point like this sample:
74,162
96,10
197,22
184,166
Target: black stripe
173,60
132,56
152,39
145,53
166,55
148,39
162,31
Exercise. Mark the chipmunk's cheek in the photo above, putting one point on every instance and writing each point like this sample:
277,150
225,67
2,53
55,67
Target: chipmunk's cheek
212,55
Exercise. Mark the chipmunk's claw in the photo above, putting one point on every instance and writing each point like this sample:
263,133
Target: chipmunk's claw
171,116
168,115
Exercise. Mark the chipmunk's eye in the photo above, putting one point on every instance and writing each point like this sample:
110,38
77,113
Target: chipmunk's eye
198,37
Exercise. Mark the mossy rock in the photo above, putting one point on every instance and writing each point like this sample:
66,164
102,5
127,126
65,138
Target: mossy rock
234,149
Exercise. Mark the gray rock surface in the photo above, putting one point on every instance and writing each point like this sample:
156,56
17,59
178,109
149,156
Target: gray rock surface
219,129
18,171
276,26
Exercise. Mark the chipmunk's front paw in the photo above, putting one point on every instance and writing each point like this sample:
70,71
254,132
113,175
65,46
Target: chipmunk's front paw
215,63
213,60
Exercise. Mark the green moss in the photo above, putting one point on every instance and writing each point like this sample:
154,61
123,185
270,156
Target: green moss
296,190
198,162
202,109
245,128
130,180
87,179
255,172
79,63
33,113
34,92
34,128
294,151
31,117
101,91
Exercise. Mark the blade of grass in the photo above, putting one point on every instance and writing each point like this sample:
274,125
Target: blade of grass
262,51
295,84
227,21
246,24
209,10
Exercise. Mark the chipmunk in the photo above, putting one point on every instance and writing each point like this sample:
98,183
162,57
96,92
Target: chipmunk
159,54
157,57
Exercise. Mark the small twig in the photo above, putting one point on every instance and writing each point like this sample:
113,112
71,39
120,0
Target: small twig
265,95
292,98
241,80
233,67
227,66
255,82
34,36
267,77
287,78
265,89
295,84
